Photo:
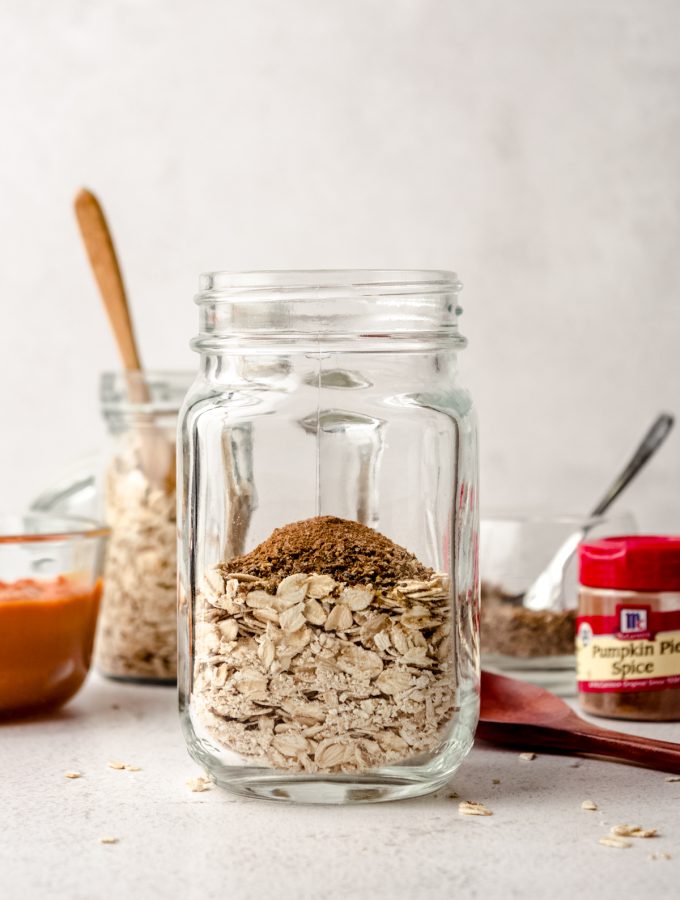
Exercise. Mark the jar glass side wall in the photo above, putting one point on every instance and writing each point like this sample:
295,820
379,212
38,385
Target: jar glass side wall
340,663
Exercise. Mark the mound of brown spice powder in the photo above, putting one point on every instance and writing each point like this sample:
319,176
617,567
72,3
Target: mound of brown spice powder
346,550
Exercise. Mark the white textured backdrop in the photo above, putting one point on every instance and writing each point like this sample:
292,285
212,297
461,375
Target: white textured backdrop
532,146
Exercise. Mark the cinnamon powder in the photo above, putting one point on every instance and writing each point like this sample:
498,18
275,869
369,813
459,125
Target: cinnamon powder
346,550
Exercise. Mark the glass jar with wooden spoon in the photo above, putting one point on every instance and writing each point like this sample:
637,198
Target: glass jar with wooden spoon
135,487
137,633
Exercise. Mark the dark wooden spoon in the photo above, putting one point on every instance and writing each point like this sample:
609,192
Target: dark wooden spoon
519,714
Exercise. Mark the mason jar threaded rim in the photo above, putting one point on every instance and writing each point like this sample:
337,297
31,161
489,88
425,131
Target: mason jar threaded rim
371,282
327,304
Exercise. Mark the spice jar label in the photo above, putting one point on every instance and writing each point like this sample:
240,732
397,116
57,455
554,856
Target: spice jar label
636,649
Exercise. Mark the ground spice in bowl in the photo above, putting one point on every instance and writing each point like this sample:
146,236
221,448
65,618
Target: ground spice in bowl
510,629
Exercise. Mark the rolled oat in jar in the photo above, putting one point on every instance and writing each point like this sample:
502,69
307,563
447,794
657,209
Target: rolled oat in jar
628,628
136,637
327,648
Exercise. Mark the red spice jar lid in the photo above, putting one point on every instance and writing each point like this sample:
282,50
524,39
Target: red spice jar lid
635,563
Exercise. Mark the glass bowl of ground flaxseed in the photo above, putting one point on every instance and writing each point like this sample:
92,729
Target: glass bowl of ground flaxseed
536,645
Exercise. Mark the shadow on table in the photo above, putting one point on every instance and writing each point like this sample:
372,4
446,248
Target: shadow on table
496,773
39,717
102,698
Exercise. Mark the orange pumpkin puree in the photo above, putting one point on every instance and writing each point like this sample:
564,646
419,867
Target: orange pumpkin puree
46,636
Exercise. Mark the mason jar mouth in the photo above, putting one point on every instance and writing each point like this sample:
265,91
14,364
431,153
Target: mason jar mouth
366,282
143,392
327,304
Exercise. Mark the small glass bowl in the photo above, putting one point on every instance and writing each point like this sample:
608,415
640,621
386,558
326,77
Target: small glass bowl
536,645
50,584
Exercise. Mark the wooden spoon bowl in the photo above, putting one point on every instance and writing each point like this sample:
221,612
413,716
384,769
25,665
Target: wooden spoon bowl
517,714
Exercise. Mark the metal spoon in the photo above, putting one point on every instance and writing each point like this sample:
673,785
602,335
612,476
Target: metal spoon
545,592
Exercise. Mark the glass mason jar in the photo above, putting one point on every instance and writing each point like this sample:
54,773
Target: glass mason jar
328,627
137,636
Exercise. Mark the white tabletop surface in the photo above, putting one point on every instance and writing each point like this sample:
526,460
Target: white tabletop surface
175,843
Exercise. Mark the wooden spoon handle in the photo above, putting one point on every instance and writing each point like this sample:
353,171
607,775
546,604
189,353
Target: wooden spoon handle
653,754
157,452
102,255
582,738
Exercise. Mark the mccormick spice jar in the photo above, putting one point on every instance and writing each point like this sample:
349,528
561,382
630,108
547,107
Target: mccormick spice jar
328,521
628,628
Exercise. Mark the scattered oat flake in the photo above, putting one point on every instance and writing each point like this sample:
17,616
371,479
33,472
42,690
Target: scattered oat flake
659,856
527,756
633,831
131,768
472,808
73,775
108,840
612,841
673,778
453,795
589,804
199,784
115,765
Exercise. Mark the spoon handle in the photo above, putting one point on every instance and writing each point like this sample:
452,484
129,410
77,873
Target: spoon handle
653,754
157,452
650,444
580,739
106,269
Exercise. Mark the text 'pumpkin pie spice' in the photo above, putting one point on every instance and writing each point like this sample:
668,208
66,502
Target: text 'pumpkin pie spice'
327,648
628,628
